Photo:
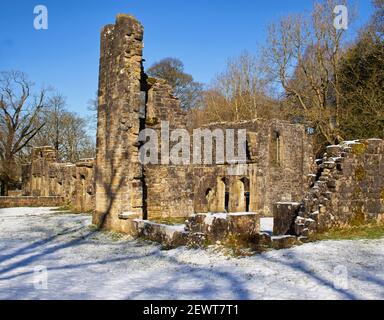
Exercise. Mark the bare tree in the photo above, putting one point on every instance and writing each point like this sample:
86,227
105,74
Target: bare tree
92,107
19,110
239,93
64,130
304,56
378,18
52,116
77,143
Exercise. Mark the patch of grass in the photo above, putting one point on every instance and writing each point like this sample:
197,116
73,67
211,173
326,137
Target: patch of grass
115,236
369,231
70,209
358,219
61,213
169,220
93,228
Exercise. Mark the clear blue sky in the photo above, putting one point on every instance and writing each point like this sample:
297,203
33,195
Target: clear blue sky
202,33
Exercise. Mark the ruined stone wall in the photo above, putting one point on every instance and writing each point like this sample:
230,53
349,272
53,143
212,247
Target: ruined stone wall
279,164
163,106
265,178
130,101
22,201
46,177
181,190
39,184
83,195
170,191
119,175
169,188
348,190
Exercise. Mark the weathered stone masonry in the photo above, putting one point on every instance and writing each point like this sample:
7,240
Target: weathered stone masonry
349,190
46,177
122,97
279,162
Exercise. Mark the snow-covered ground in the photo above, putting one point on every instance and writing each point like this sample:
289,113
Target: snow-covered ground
84,264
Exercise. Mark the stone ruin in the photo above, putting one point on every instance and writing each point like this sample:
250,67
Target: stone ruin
73,183
279,178
348,190
279,154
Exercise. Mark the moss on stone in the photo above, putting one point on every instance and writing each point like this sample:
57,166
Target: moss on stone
240,245
357,193
170,221
358,218
369,231
360,173
151,121
359,149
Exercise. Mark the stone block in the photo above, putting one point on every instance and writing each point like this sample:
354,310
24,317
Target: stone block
283,242
284,216
334,151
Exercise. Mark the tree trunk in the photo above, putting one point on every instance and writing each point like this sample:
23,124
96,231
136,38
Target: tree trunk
4,187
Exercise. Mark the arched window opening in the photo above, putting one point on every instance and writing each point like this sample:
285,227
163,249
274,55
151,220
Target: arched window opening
243,195
222,194
209,198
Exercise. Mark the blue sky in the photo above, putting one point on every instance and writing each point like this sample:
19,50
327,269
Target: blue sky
203,34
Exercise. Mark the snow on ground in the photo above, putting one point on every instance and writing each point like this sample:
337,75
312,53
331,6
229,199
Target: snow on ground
84,264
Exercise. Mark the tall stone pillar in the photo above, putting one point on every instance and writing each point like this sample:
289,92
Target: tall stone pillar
119,174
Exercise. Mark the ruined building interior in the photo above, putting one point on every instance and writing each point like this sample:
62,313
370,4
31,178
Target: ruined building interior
279,179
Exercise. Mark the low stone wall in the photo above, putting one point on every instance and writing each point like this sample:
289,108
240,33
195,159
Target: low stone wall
15,193
167,235
13,202
218,227
349,190
206,229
